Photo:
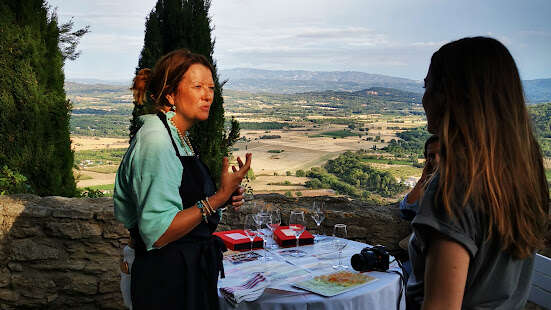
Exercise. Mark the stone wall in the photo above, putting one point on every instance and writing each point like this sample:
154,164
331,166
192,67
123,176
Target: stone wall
63,253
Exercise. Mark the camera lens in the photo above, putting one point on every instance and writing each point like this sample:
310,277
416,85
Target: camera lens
366,260
357,261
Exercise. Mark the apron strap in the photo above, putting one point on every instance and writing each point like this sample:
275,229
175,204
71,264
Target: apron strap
162,116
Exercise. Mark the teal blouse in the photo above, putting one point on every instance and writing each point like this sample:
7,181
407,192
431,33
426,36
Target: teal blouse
148,180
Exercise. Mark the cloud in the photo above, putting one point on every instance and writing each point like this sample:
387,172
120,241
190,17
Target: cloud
114,43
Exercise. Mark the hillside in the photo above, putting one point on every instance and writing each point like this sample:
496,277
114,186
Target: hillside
537,91
296,81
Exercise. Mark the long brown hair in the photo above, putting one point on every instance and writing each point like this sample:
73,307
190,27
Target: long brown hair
487,146
164,78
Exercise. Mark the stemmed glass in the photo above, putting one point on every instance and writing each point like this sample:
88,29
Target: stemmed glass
276,221
339,243
249,228
318,216
297,223
260,209
265,231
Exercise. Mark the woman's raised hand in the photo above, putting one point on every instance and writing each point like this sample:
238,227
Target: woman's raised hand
230,181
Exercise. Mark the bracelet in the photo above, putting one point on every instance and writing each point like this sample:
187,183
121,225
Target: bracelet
209,205
201,207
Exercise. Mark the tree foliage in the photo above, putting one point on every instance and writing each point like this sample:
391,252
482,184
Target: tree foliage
412,142
541,120
350,174
175,24
34,112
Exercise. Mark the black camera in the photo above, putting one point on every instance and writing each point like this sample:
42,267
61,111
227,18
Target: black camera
371,258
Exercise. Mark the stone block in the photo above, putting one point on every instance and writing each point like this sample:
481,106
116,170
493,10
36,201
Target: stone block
115,230
103,265
32,280
110,301
105,248
5,276
25,230
73,208
8,295
84,284
109,285
60,265
15,267
29,249
73,230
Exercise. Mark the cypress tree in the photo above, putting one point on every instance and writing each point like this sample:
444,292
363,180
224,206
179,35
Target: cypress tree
34,112
175,24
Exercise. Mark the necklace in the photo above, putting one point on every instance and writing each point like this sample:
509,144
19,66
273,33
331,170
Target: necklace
183,137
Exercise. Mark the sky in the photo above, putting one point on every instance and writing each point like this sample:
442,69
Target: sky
391,37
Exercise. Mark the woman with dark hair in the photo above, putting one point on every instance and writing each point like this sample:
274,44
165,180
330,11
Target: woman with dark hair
165,195
485,211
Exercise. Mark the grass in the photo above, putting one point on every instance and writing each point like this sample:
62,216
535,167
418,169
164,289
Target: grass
402,172
334,134
100,157
103,187
276,151
286,183
82,177
387,161
102,169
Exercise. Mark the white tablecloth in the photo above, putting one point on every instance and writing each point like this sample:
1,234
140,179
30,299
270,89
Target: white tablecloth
283,270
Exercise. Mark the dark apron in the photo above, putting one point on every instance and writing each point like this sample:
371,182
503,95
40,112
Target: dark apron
184,273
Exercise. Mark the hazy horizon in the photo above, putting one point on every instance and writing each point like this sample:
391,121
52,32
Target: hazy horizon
377,37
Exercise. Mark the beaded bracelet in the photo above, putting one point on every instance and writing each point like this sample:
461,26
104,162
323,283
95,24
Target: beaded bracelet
201,207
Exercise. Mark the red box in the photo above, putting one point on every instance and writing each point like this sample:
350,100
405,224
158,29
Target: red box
235,242
285,240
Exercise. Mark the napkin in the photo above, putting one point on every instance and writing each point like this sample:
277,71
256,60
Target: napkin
249,290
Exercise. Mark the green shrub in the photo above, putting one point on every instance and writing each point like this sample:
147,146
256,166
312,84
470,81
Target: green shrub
12,182
300,173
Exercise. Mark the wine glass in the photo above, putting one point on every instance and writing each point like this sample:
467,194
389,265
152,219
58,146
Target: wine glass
297,223
265,231
276,221
260,209
249,228
339,243
318,216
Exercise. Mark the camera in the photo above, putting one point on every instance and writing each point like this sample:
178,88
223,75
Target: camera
371,258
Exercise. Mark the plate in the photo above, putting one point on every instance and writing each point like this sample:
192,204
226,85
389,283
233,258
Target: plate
335,283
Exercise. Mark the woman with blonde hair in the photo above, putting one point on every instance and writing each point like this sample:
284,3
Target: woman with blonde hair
165,195
485,211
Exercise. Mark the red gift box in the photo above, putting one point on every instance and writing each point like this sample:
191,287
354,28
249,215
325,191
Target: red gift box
237,240
285,238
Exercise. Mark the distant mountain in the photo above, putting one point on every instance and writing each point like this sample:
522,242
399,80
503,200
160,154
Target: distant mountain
98,81
537,91
100,86
299,81
382,93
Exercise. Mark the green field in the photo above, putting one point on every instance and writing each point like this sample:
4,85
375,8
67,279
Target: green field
99,157
103,169
335,134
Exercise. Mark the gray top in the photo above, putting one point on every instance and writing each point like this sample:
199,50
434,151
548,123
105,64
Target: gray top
495,280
